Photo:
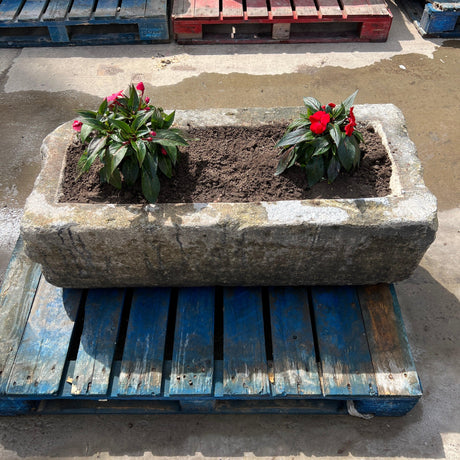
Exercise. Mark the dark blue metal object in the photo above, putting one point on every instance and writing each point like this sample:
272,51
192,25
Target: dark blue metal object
296,350
82,22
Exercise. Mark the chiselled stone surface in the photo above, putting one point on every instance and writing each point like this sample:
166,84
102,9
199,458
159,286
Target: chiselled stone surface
342,241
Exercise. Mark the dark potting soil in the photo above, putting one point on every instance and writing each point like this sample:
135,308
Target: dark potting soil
235,164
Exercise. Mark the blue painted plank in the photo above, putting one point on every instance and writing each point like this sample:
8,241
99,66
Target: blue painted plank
56,10
106,9
245,360
103,310
155,8
16,297
437,21
394,367
58,33
42,354
32,10
153,30
346,362
81,9
193,352
142,364
295,371
132,8
9,8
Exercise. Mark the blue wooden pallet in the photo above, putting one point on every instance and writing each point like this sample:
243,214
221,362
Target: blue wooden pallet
435,19
330,350
82,22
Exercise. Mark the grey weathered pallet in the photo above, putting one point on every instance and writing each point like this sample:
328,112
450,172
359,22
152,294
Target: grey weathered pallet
82,22
201,350
435,19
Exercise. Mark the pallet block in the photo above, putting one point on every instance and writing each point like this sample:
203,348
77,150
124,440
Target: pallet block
81,22
299,21
328,350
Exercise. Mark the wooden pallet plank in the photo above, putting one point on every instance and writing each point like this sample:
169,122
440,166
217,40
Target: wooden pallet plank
256,8
183,9
43,351
97,345
394,367
32,10
193,352
329,8
206,9
9,9
16,296
295,371
305,8
156,8
378,8
143,354
132,9
81,9
56,10
106,9
281,8
345,358
232,8
356,7
245,361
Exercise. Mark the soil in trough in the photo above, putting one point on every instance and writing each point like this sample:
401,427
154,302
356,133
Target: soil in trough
236,164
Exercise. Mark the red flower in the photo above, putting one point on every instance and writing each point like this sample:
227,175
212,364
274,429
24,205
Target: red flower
351,123
147,100
77,125
163,151
150,139
153,133
319,121
323,107
147,108
331,105
140,87
113,97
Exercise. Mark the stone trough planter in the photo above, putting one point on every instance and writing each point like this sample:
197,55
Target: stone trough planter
333,241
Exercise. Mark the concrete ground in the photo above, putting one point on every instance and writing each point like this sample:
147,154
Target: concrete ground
41,88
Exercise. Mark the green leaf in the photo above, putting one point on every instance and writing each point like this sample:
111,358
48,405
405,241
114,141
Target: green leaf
285,160
150,187
348,102
172,153
89,114
85,132
357,134
140,151
95,124
115,179
168,120
321,145
357,151
103,107
312,103
122,125
336,134
150,164
97,144
85,162
141,119
171,136
333,169
130,170
133,101
116,154
314,170
346,154
293,137
165,165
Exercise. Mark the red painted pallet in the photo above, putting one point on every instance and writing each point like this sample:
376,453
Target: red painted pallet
281,21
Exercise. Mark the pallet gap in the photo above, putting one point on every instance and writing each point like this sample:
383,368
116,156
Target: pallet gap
269,5
123,327
313,326
219,324
267,324
169,341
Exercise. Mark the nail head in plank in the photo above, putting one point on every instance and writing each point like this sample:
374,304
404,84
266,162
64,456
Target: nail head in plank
43,351
294,360
245,361
97,345
193,353
394,367
142,364
345,359
16,297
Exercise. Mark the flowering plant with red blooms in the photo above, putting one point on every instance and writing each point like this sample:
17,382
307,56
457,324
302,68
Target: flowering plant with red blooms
322,141
132,138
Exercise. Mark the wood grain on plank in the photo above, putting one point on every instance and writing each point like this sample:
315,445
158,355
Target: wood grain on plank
394,367
345,358
97,345
329,8
245,360
81,9
9,9
16,296
193,352
281,8
32,10
256,8
106,9
156,8
143,354
43,351
132,9
206,9
56,10
232,8
306,8
295,371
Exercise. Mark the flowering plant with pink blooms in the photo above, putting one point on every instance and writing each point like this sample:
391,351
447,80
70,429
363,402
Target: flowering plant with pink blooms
132,138
322,141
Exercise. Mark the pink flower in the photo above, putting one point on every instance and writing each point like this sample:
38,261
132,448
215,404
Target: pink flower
319,121
147,100
140,87
77,125
153,133
147,108
113,97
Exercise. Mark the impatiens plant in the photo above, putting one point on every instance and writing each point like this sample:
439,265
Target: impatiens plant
322,141
132,138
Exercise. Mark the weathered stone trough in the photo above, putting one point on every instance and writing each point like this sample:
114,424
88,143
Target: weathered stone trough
333,241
